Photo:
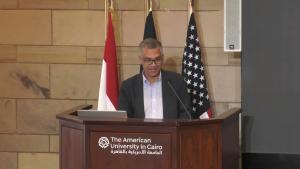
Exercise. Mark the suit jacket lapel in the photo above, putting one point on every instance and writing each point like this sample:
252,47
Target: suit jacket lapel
140,97
165,94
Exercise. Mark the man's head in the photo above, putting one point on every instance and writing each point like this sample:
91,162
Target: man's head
151,57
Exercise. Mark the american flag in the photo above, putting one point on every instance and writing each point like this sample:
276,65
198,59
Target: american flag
193,73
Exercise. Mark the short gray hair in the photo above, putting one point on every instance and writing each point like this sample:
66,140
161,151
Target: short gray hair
150,43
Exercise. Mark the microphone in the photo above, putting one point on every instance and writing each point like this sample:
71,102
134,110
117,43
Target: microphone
174,91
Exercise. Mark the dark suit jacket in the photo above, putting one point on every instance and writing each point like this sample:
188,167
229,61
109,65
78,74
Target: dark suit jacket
131,96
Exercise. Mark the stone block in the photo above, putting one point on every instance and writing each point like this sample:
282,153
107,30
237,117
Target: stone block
173,56
128,55
24,143
24,80
125,55
132,5
39,116
54,4
172,68
82,28
126,71
224,83
75,81
54,143
51,54
133,23
8,115
214,56
205,5
234,105
8,160
97,4
94,55
38,161
219,108
171,27
30,27
173,5
8,4
117,21
8,53
210,28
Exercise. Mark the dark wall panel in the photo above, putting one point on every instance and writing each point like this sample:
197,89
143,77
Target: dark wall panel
271,76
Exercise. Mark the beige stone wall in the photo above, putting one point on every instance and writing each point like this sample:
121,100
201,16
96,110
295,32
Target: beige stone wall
50,60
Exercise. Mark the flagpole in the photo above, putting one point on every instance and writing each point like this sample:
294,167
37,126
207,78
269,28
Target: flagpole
109,7
148,7
105,18
108,91
190,8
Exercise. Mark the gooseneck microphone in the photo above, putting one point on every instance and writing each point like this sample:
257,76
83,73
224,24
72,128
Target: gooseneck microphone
181,102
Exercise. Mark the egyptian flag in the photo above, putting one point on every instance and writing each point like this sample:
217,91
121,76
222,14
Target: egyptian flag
109,90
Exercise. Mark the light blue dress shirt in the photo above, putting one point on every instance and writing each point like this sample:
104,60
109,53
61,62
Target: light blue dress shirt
153,105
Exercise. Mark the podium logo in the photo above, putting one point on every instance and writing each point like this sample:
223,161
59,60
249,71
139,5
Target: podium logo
103,142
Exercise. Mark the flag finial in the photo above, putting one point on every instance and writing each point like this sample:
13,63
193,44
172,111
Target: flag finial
111,5
192,3
150,5
109,9
191,6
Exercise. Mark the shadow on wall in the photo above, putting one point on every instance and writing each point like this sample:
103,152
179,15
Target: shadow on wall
173,68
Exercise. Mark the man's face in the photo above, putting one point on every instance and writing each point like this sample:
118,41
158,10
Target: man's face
152,62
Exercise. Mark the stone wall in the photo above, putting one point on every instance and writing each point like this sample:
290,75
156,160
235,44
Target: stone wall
50,61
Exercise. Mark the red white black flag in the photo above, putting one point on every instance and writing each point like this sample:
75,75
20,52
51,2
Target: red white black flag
109,89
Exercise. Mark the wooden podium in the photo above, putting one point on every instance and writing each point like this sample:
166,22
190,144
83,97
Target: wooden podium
94,143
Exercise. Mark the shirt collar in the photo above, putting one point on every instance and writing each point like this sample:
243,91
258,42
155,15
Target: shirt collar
147,82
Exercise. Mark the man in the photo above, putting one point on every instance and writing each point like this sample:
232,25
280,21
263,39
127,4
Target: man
149,94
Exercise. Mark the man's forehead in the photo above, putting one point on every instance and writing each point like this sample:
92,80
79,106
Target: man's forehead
154,50
152,53
152,57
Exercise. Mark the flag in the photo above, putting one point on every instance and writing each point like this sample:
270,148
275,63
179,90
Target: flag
149,31
193,73
109,90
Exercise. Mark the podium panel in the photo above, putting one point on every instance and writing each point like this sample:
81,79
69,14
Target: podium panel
130,150
204,146
71,143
